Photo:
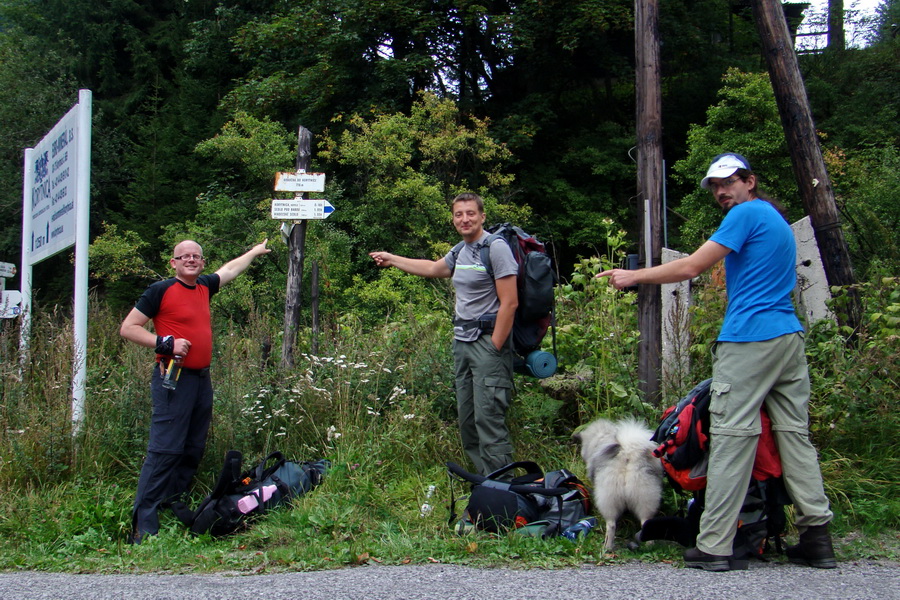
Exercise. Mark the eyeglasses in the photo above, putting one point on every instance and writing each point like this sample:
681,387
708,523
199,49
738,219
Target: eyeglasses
196,257
727,183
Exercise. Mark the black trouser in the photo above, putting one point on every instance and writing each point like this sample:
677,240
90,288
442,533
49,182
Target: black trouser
178,431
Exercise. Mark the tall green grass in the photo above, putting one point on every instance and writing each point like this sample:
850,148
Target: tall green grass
378,402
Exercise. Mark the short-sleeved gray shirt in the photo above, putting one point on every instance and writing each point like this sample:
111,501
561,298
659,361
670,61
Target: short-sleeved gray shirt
476,293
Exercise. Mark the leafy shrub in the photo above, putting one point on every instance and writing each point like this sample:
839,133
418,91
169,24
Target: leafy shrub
853,407
597,340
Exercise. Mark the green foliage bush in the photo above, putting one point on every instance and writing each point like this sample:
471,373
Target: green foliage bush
597,339
853,408
746,121
867,191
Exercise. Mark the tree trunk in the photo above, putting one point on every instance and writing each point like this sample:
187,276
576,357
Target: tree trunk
806,155
296,241
650,186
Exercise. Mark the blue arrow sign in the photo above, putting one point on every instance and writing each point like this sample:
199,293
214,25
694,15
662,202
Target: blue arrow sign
299,209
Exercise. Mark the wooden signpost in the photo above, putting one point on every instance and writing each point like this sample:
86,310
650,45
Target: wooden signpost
297,211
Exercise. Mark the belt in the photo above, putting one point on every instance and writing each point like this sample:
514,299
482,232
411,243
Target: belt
483,325
204,372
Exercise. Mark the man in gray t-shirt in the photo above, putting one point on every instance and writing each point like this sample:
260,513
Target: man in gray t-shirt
485,310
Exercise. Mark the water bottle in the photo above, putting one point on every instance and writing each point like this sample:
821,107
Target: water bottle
579,529
426,508
169,382
251,501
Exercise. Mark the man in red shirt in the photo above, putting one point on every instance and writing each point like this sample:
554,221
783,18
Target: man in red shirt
179,308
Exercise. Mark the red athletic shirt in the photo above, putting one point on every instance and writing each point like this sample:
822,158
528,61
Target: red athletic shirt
182,311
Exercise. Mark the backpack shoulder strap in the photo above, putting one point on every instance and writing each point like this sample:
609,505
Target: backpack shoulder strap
486,253
455,469
228,476
455,250
263,472
531,468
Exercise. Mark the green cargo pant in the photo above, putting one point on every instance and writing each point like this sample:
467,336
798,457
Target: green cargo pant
483,391
744,376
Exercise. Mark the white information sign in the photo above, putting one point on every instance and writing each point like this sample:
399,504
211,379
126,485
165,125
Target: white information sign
7,269
299,209
10,302
299,182
50,178
56,208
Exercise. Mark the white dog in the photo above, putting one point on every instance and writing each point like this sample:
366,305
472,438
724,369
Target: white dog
624,473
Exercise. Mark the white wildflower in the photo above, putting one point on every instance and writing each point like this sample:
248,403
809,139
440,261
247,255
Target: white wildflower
396,392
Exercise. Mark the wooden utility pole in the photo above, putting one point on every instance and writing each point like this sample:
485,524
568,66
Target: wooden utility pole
806,154
836,25
650,191
296,243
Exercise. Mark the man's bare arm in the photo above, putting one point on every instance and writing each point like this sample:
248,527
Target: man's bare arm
230,270
133,330
678,270
509,301
415,266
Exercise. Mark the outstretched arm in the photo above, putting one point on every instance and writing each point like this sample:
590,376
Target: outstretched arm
230,270
678,270
414,266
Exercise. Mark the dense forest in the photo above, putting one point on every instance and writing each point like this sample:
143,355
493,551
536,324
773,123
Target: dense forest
197,105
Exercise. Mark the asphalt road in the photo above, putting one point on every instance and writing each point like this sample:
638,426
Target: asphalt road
638,581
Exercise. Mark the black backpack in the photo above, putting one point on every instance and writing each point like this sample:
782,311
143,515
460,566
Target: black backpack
761,522
536,281
240,496
545,503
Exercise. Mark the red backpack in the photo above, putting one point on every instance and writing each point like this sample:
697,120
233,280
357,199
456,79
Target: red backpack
683,437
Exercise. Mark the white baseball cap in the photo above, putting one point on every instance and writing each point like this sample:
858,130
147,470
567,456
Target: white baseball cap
724,165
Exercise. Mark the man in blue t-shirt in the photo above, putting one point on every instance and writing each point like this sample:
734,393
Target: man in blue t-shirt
485,310
758,357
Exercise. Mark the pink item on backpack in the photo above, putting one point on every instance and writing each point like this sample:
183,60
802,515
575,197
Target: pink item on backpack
251,501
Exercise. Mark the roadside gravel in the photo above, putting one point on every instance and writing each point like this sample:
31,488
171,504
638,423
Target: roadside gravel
636,581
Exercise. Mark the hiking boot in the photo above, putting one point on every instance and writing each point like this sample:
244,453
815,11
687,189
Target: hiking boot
814,549
698,559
